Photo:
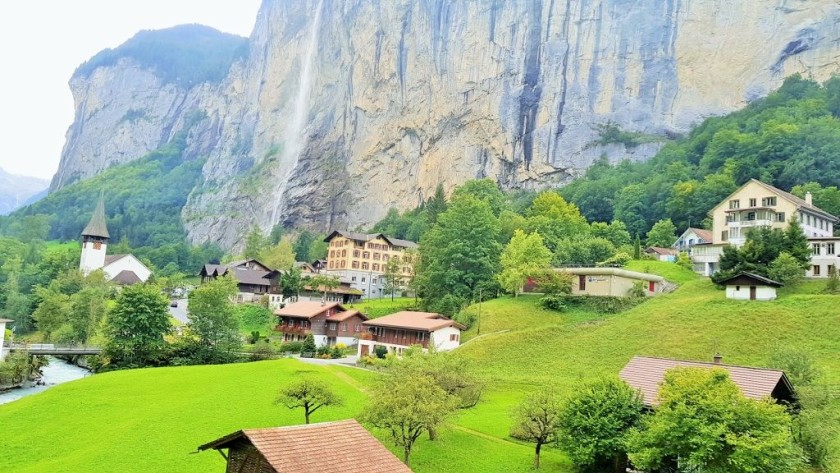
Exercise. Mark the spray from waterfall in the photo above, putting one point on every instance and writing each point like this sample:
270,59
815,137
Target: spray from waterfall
294,133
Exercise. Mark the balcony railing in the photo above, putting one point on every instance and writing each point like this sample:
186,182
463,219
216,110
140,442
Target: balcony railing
296,330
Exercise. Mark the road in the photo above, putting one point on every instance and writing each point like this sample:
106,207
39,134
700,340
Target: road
180,312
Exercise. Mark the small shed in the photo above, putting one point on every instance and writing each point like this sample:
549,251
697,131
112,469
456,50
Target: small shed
662,254
750,287
315,448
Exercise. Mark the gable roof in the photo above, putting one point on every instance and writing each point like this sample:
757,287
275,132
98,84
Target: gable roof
97,227
647,373
113,258
127,278
249,276
342,316
661,251
743,275
800,204
705,235
371,236
426,321
307,309
315,448
612,272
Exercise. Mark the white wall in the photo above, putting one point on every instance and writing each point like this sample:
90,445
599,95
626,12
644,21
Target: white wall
128,263
92,258
2,337
762,293
441,337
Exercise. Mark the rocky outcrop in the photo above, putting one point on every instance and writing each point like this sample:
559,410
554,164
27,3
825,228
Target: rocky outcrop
404,94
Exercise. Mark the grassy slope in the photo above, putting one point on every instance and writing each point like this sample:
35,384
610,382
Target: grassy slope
147,426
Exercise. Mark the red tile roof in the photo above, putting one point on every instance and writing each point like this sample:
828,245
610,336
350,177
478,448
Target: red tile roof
427,321
317,448
646,375
705,235
307,309
661,251
342,316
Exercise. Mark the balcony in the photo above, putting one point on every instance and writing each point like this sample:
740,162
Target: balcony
393,339
750,223
296,330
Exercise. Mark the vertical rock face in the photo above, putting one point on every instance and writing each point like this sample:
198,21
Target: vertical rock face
406,94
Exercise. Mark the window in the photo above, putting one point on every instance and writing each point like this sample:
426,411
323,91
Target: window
750,216
355,266
358,327
454,337
332,264
768,202
376,256
829,248
343,253
366,255
370,246
365,266
343,263
724,235
332,254
344,327
421,336
737,288
373,280
363,279
385,257
815,248
356,253
376,266
752,202
816,270
780,217
734,204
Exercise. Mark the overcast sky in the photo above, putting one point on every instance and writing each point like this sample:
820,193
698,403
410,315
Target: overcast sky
44,41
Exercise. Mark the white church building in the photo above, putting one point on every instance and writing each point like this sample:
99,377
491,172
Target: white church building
121,269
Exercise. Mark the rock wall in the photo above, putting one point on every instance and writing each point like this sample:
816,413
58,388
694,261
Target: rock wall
406,94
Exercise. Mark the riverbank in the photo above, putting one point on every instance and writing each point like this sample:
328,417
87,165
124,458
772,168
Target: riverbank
55,373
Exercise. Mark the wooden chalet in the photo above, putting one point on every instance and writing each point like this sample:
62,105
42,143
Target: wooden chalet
398,331
253,278
328,322
315,448
646,375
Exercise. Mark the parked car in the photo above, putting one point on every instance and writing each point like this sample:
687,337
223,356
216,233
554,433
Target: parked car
173,304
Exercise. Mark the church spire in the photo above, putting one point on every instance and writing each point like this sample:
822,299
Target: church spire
96,227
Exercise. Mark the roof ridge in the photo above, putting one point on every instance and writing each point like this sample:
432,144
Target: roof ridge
722,365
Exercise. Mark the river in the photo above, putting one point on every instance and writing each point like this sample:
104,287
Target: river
56,372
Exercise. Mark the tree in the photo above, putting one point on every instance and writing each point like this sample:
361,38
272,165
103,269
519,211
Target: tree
537,419
317,249
255,243
50,314
704,423
663,234
302,244
637,248
524,256
281,255
616,232
310,395
392,276
461,252
796,243
406,408
436,204
325,282
555,219
291,282
486,190
595,423
308,346
213,320
136,326
786,269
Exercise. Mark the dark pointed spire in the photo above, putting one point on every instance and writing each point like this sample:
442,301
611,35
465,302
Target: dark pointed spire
96,227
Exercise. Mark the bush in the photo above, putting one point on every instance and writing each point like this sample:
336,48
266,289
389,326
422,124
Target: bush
292,347
450,305
261,352
833,285
308,347
617,260
253,337
323,350
336,353
465,318
380,352
554,302
638,290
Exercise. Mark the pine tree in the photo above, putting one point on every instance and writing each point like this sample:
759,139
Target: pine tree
437,204
796,243
637,248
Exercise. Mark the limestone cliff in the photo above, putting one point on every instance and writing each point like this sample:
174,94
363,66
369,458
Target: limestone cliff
342,109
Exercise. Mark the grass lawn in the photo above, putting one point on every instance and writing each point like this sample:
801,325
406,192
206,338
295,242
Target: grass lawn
150,420
378,307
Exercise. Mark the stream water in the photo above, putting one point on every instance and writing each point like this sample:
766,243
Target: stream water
56,372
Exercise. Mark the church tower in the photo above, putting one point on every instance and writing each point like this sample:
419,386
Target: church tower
94,241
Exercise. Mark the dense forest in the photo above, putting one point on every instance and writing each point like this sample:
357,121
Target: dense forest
185,55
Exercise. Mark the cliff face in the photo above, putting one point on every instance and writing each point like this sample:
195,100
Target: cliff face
342,109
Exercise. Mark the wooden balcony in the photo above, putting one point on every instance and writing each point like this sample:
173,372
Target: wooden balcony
296,330
393,339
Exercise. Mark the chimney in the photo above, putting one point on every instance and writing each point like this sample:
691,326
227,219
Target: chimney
717,359
809,199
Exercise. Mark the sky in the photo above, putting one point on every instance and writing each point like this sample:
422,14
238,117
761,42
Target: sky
44,41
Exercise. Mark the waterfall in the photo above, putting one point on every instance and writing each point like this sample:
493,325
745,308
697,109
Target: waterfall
294,133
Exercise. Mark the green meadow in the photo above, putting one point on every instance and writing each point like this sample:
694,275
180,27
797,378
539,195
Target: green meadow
153,419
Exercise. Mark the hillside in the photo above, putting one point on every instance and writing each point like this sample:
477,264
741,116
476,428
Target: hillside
172,410
332,114
17,191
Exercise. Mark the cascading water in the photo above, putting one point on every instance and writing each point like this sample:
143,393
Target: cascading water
295,136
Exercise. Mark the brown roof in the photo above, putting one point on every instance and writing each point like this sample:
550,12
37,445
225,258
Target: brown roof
307,309
97,227
250,276
335,290
113,258
371,236
127,278
646,374
330,446
661,251
706,235
744,278
342,316
427,321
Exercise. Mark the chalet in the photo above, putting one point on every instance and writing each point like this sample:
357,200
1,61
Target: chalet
315,448
328,322
398,331
253,278
614,282
123,269
662,254
646,374
757,204
692,237
344,293
361,258
750,287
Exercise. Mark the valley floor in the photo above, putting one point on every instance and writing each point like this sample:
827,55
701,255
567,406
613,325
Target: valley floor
153,419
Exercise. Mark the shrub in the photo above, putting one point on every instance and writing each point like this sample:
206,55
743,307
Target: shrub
380,352
293,347
617,260
833,285
323,350
261,352
254,337
336,353
465,318
341,346
638,290
308,347
555,302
